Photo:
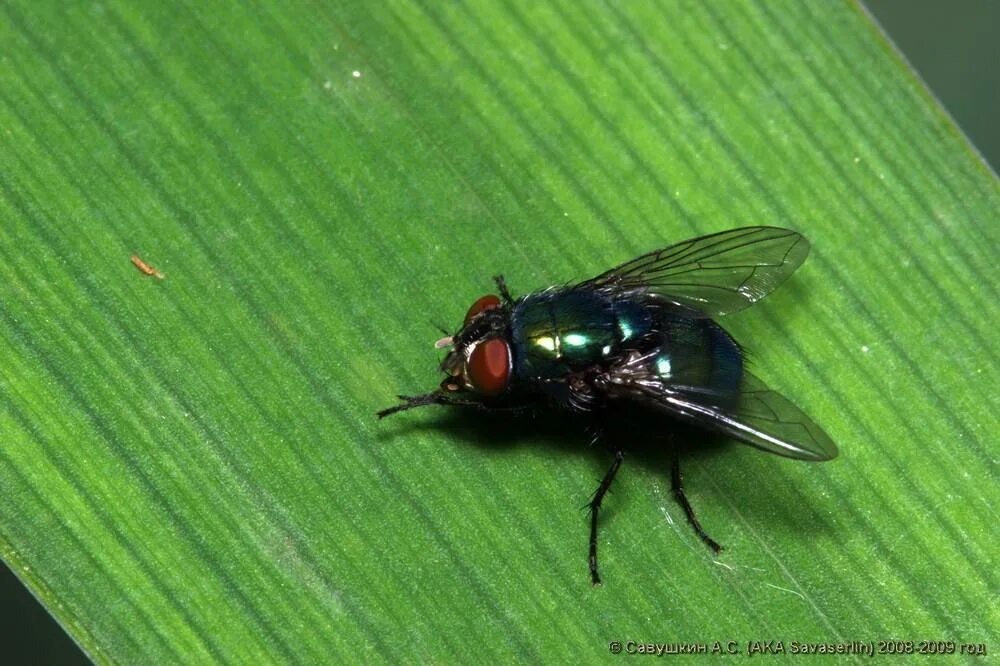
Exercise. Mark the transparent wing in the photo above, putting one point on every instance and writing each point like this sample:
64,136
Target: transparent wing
759,416
714,275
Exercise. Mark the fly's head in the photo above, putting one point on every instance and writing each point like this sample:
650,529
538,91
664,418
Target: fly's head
479,358
478,366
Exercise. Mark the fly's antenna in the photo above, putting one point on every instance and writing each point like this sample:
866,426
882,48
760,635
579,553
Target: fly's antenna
411,401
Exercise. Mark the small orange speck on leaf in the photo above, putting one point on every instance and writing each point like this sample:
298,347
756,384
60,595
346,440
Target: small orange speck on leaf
146,268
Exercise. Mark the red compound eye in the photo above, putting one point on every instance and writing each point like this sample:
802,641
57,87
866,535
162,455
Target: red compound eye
489,366
487,302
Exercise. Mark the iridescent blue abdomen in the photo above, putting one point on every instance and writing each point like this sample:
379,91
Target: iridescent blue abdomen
697,356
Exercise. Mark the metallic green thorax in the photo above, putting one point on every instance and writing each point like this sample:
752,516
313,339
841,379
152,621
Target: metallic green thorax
559,332
555,333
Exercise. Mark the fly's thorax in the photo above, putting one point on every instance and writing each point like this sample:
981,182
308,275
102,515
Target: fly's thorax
556,332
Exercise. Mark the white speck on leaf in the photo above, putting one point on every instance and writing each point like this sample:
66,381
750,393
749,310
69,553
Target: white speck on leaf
785,589
356,74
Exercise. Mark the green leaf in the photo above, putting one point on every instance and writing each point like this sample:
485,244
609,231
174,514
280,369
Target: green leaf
191,469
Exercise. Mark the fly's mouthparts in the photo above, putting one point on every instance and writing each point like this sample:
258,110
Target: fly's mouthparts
444,342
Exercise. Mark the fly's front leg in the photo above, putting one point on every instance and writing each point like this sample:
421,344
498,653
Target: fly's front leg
683,500
595,505
502,288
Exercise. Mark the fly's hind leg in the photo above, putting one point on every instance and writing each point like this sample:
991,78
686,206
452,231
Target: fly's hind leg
678,486
595,505
502,288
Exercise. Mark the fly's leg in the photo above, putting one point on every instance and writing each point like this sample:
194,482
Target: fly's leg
678,485
502,288
595,505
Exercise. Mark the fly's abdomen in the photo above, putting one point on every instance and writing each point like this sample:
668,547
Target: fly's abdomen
558,332
697,356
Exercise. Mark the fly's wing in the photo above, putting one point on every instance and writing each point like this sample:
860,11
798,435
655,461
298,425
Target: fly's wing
758,416
712,275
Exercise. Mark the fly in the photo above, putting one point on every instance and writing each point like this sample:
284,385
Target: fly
642,333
